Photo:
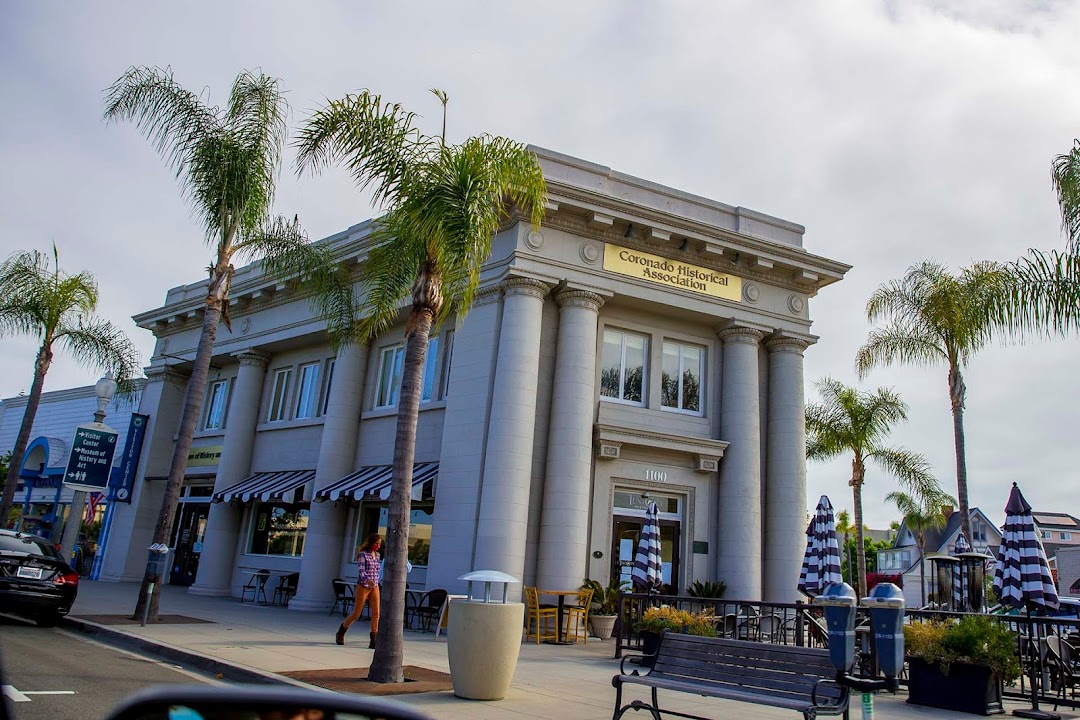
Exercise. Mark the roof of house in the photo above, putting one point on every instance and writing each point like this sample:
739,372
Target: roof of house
938,540
1055,520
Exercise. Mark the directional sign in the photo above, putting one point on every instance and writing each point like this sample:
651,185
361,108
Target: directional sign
123,481
91,458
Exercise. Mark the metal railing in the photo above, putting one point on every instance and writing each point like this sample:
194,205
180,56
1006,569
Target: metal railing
803,625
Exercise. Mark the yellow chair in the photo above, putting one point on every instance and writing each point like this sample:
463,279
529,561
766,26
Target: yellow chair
534,614
577,616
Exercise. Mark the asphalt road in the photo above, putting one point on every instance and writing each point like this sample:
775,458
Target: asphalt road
39,660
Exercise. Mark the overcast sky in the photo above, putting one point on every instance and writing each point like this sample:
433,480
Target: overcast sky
894,131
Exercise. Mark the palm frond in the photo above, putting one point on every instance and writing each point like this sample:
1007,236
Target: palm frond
896,344
1041,295
1066,181
256,118
95,342
388,278
912,469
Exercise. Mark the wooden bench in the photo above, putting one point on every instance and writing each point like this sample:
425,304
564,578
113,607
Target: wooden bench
796,678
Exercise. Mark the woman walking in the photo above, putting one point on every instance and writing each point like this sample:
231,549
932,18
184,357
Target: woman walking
367,589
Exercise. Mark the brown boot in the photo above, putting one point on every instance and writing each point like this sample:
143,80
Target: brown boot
371,645
339,638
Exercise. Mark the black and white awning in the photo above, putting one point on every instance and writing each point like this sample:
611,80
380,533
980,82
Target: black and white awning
374,482
268,487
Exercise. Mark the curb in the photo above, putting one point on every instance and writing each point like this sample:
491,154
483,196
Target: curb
230,672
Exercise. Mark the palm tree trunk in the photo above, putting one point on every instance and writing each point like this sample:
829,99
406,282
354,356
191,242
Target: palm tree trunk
922,574
386,665
41,367
857,475
957,395
193,399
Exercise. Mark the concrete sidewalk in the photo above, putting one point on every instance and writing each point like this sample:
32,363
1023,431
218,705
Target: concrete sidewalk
564,682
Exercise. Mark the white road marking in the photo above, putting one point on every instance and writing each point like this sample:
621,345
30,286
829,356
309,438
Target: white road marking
23,696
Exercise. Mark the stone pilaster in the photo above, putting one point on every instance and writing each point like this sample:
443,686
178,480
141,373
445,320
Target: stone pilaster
337,453
504,502
739,514
564,524
223,525
785,486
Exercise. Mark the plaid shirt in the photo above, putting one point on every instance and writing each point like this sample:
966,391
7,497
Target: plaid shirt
369,569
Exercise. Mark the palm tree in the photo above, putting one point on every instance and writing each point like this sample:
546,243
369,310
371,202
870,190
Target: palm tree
848,420
43,301
227,161
443,203
843,525
922,512
933,317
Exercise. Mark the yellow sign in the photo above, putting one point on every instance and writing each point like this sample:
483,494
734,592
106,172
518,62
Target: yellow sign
204,455
665,271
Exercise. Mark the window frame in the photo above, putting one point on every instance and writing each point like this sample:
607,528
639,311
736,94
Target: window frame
210,396
328,384
700,412
282,403
1066,535
623,334
431,364
313,391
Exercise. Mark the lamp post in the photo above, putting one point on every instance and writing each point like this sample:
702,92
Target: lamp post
104,389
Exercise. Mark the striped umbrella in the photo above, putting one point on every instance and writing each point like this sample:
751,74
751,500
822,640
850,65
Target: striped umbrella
1022,575
647,572
958,589
821,562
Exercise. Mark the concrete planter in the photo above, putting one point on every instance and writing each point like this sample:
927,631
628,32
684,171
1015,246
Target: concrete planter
602,625
483,644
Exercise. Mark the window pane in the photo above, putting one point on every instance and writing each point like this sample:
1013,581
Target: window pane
280,395
309,389
634,372
446,364
279,530
691,377
669,378
215,412
611,364
386,378
429,367
420,521
329,384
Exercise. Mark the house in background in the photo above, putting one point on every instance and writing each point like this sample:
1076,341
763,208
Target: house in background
902,558
1057,531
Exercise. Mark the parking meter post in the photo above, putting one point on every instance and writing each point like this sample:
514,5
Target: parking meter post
155,569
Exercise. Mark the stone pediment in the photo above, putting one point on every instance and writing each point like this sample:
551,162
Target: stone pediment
609,440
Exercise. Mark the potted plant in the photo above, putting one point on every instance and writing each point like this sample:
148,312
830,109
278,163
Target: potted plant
656,620
605,605
961,665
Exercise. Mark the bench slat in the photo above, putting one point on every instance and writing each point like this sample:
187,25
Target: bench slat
728,692
745,676
704,660
806,657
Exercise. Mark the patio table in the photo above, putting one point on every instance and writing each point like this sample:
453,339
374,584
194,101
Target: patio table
561,595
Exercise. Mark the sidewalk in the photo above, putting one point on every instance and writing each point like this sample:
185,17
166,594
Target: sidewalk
564,682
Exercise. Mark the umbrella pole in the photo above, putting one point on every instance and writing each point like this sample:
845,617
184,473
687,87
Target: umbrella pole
1033,649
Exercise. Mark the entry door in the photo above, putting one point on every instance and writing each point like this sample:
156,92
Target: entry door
627,532
188,542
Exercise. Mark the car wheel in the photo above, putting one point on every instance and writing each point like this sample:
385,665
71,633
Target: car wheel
48,619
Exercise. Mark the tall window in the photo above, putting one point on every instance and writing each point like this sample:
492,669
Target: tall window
279,398
279,530
390,366
329,384
376,518
215,405
307,396
680,387
622,371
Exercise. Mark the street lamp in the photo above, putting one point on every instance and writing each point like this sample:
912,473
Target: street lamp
104,389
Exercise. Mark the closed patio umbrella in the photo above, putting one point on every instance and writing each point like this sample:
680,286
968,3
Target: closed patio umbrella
959,577
647,575
821,561
1022,579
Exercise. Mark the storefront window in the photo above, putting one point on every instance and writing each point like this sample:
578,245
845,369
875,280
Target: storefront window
376,519
622,370
279,530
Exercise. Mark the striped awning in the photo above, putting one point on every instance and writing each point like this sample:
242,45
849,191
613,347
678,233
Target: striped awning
374,481
267,486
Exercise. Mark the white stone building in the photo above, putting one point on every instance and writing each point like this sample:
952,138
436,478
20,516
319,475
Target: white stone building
643,340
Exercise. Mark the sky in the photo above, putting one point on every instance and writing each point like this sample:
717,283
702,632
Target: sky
895,132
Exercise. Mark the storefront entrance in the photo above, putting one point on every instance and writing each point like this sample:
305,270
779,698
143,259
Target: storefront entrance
629,517
188,534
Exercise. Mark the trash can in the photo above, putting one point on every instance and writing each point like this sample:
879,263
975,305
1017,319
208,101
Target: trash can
484,638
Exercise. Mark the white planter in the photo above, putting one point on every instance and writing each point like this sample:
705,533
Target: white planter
483,644
602,625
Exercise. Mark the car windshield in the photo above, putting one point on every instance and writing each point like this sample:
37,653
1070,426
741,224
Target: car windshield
27,544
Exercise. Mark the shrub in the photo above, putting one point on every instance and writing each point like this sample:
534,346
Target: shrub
975,640
658,619
707,589
607,599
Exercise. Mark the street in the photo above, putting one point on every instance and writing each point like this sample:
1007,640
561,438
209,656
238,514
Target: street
51,674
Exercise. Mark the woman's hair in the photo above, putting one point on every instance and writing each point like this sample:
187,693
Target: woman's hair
369,542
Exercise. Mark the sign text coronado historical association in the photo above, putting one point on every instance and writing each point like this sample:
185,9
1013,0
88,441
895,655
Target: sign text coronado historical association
654,268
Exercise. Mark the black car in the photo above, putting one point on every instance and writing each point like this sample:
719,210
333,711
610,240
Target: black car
34,579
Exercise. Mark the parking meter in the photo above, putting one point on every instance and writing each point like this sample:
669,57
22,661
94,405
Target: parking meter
839,603
886,603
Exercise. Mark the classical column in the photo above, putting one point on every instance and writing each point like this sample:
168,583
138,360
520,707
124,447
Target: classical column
739,515
785,485
504,502
216,562
564,520
337,453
